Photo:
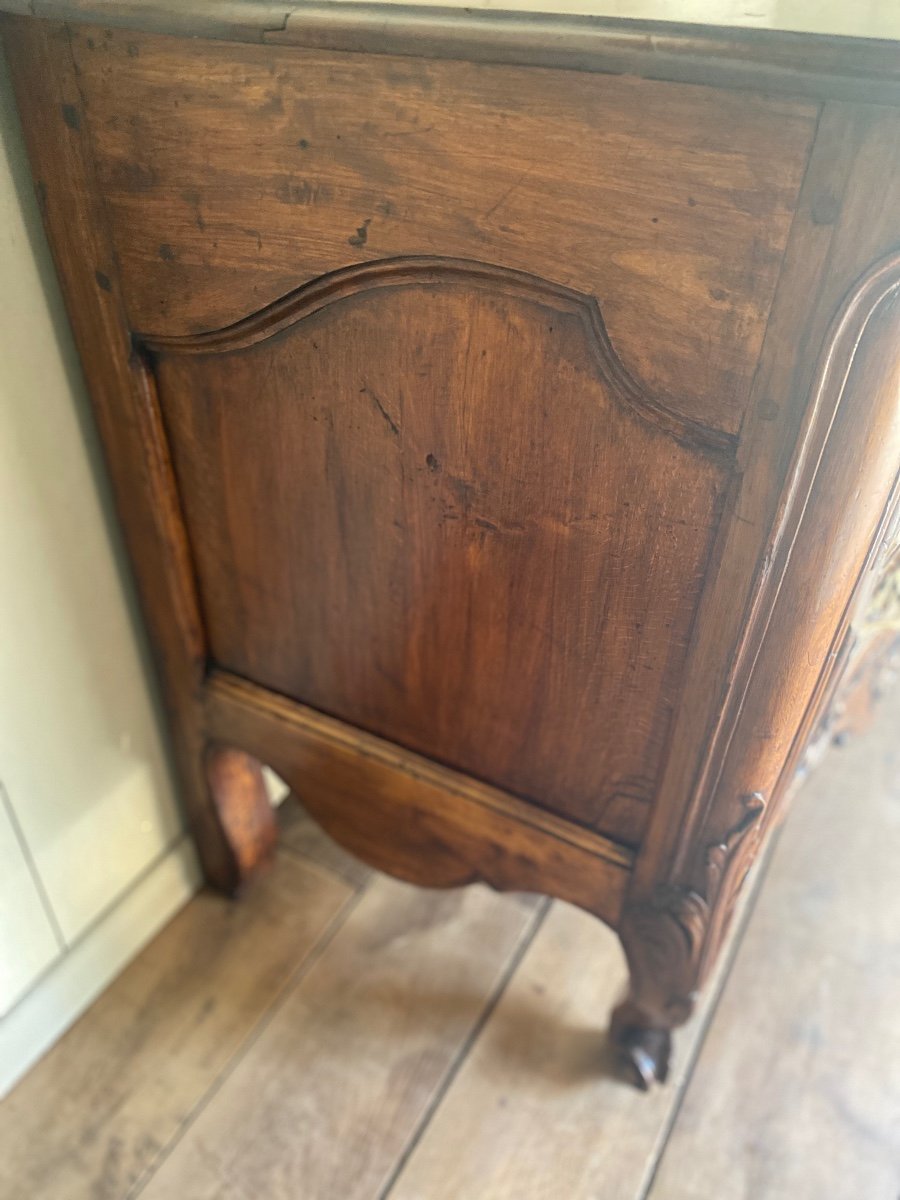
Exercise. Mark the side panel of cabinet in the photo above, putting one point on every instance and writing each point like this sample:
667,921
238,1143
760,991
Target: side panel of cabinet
438,508
233,174
453,514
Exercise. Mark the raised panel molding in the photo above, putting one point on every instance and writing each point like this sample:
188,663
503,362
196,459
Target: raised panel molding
496,591
454,433
434,270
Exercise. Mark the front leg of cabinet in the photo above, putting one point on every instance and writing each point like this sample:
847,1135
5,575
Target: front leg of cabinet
663,941
242,817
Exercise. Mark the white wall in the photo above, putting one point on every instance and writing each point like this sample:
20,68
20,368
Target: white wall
92,855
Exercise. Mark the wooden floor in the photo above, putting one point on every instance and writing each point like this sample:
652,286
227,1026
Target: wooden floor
339,1035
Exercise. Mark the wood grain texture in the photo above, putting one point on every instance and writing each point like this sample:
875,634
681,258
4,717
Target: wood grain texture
847,220
267,167
378,454
344,1074
804,522
93,1118
765,59
840,502
799,1102
303,835
466,483
539,1109
124,403
804,1100
410,817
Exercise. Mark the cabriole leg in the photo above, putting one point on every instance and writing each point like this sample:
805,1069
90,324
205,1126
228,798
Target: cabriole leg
662,942
239,834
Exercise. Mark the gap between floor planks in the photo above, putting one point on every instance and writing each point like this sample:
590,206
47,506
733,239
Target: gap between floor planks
342,1035
796,1094
378,1051
93,1117
344,1005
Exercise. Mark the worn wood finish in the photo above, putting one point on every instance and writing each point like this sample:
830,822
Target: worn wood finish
454,159
767,59
301,834
506,453
786,600
417,820
373,1029
542,1063
454,446
94,1117
804,1099
124,401
672,936
799,1102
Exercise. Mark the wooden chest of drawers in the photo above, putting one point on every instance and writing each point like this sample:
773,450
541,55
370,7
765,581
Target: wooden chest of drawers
503,414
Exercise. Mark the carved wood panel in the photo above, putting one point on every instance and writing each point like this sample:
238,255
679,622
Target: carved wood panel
427,498
266,167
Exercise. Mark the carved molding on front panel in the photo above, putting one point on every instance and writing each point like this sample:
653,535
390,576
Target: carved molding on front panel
312,297
878,289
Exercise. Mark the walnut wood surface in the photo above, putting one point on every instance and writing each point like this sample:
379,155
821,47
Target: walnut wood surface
242,183
767,59
124,403
486,438
412,818
468,486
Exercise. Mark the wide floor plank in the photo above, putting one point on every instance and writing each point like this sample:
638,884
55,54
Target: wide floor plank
538,1111
330,1094
796,1095
93,1117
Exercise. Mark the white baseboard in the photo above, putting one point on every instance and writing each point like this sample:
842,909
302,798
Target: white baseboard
60,996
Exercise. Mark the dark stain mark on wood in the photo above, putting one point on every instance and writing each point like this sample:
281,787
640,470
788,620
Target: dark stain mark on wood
166,253
303,144
40,190
103,281
464,489
376,400
71,117
362,234
432,463
132,50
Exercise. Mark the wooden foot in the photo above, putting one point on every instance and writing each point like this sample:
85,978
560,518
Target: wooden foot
662,942
643,1050
246,833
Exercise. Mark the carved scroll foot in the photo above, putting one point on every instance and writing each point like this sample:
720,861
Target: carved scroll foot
643,1050
245,821
662,940
672,937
